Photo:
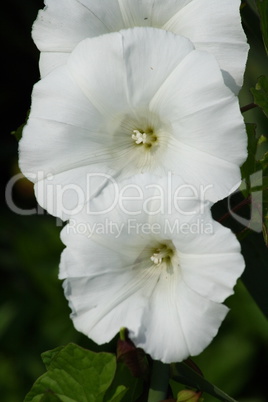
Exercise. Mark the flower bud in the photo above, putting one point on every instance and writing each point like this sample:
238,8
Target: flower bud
188,395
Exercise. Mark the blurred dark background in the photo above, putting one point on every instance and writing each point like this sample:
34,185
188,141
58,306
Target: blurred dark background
34,315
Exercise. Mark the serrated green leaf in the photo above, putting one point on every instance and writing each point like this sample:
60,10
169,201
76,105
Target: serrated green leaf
182,373
74,374
260,94
263,12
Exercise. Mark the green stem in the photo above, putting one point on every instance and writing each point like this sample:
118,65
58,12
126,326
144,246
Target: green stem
244,109
159,382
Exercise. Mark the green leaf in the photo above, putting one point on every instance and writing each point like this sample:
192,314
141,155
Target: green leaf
184,374
260,94
265,209
49,355
116,395
49,396
132,386
254,250
18,132
255,276
263,11
74,374
264,163
250,165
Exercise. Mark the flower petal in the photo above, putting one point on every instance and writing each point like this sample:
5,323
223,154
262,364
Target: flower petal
177,322
149,12
60,134
198,121
210,176
102,82
211,261
146,68
63,24
103,304
215,27
48,61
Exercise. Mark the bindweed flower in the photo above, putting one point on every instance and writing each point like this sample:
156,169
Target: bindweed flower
135,101
212,25
163,282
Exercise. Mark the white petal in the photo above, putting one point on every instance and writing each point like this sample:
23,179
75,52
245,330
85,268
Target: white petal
212,177
51,147
84,257
210,261
59,99
202,273
232,59
64,23
105,302
61,139
98,69
221,35
199,108
177,322
150,12
147,68
48,61
64,194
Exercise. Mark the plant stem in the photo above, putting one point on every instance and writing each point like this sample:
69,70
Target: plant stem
159,382
250,106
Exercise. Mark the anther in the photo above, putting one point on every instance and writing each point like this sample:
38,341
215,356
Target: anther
140,138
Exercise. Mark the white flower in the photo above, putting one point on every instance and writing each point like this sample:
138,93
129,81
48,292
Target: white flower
212,25
163,281
134,101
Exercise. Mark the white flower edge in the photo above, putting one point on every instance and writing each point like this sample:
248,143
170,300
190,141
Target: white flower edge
214,26
166,287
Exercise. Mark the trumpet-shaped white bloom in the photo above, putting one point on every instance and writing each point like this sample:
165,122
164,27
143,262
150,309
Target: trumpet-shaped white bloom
160,272
134,101
212,25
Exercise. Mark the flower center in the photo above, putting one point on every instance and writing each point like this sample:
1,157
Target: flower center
147,138
162,254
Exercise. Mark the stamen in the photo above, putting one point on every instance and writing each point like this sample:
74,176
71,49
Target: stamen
161,254
156,258
139,137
